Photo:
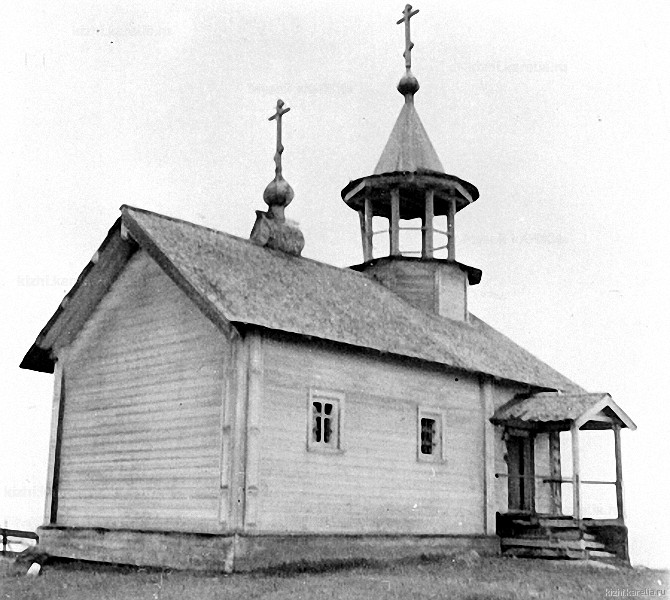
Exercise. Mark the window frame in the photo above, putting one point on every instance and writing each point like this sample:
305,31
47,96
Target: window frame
431,412
337,399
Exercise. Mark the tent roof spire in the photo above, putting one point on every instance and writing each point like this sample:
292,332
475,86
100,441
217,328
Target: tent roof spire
408,148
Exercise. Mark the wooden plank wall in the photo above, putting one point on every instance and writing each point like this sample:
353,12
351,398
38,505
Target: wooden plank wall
435,287
376,484
452,292
142,414
414,281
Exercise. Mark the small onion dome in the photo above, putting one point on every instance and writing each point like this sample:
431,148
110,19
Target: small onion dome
278,192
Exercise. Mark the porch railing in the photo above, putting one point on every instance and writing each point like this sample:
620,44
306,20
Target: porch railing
547,479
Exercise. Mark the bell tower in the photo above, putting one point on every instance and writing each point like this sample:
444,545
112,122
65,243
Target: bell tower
409,183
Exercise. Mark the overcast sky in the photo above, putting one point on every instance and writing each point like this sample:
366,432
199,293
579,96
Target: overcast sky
556,111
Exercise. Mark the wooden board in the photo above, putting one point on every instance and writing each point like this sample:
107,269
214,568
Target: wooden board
374,484
141,443
180,550
177,550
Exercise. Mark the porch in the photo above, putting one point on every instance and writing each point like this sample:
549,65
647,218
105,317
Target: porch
559,528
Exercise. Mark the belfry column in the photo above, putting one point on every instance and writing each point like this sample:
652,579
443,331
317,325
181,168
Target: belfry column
365,216
394,223
451,236
427,225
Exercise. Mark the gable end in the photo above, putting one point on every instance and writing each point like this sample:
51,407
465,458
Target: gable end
80,302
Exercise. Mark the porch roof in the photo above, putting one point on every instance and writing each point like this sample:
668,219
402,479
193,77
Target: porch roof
555,410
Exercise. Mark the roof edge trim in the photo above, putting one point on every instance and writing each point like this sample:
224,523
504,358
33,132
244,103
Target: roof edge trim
40,356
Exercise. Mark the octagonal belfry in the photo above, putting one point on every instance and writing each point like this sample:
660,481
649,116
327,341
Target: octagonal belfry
409,181
403,195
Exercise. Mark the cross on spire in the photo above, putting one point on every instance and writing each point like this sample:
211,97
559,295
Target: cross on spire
408,13
277,116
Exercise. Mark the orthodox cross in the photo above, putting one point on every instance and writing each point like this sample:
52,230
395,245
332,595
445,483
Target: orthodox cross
277,116
408,13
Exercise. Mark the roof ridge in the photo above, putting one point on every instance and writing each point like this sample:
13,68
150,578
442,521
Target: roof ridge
234,282
436,332
178,220
241,239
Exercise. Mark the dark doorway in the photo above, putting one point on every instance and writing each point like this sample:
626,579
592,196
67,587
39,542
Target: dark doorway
521,473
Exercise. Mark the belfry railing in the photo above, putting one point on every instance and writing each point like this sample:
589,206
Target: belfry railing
433,249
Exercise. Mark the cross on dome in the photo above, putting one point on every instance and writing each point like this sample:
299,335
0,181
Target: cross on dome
409,84
278,194
280,112
408,13
271,228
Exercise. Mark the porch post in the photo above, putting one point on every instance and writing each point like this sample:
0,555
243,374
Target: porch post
555,472
576,508
619,471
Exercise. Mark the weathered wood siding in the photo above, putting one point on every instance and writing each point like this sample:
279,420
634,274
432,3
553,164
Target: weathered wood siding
142,413
432,286
452,292
413,281
376,484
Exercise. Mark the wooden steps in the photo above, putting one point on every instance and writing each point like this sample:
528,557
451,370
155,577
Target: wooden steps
539,542
535,536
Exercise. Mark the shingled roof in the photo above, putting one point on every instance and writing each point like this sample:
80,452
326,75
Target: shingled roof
552,407
408,148
237,281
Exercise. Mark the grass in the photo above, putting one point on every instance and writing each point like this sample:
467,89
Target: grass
471,579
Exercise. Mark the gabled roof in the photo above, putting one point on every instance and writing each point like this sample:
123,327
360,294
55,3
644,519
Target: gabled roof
408,148
235,281
568,409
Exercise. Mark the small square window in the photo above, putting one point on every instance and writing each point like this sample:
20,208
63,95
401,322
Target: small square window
430,436
324,420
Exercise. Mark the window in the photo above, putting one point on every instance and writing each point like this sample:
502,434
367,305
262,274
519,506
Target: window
324,420
429,441
430,435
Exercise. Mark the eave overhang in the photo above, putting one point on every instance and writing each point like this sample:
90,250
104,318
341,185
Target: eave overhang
177,246
78,304
474,274
413,186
